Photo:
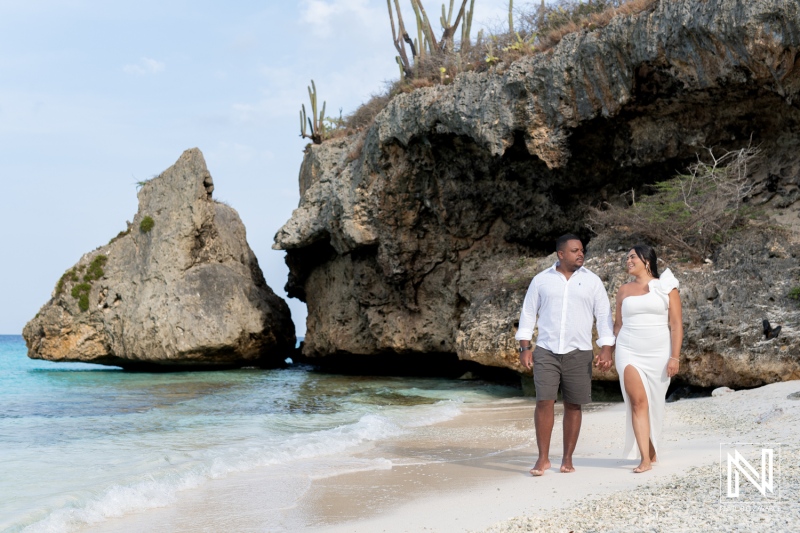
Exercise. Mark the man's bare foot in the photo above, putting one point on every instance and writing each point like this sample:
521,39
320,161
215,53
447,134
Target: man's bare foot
567,468
642,468
539,468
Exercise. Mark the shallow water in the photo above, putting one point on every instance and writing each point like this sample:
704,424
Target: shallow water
83,443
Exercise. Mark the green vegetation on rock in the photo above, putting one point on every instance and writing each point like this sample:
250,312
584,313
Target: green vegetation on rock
120,235
95,270
69,275
794,294
147,224
81,293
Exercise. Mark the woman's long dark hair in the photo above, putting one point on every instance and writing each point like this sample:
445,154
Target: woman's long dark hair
648,256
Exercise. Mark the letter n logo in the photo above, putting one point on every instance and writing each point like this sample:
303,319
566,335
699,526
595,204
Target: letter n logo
739,465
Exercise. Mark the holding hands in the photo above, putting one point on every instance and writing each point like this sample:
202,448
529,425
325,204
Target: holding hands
604,361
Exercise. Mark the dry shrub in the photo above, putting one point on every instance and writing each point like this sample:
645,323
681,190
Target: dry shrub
553,37
417,83
633,7
363,116
337,133
692,213
569,16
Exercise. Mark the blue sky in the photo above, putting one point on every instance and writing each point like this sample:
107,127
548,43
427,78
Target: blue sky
97,95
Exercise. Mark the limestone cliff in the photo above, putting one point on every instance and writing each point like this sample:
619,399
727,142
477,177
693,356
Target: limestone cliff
409,238
180,289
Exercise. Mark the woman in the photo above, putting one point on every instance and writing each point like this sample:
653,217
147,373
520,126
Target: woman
649,331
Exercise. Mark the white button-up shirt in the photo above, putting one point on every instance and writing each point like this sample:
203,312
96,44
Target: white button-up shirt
566,309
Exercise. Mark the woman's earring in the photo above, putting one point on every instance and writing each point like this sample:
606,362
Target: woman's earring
647,267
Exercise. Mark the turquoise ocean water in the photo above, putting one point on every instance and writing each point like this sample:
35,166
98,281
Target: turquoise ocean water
81,444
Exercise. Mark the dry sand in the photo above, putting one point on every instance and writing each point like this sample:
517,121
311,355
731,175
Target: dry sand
471,474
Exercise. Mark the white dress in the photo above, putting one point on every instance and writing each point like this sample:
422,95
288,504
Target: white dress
644,342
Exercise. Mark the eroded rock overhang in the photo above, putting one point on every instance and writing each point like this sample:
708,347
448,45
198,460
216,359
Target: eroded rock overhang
406,234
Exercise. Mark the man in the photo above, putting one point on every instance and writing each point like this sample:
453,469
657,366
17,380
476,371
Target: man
566,297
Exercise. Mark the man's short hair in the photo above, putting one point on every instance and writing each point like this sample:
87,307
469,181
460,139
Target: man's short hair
561,242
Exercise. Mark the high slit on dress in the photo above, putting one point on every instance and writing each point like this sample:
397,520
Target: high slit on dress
644,342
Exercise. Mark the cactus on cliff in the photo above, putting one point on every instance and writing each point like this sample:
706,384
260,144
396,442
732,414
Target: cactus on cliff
426,43
317,125
466,28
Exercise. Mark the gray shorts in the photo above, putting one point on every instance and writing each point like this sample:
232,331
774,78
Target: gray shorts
573,371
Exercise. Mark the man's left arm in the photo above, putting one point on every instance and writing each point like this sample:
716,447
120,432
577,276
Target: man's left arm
605,326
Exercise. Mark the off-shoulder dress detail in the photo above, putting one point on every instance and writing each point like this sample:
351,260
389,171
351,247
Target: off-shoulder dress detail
644,342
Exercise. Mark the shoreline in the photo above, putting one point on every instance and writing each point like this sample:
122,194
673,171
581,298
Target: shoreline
470,473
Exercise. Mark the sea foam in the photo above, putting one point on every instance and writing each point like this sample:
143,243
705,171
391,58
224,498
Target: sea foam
162,487
82,444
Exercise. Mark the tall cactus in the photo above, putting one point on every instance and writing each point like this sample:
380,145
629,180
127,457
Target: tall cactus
426,42
423,16
422,37
466,28
541,14
402,71
317,125
445,20
449,29
511,17
400,36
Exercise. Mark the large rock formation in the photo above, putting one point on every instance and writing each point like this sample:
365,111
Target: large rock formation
415,236
179,289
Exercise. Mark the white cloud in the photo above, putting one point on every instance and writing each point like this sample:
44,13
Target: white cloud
325,16
145,66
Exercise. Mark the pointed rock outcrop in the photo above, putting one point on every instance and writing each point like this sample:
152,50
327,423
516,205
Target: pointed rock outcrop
180,288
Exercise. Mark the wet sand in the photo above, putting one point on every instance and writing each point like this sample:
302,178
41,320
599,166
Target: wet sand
471,474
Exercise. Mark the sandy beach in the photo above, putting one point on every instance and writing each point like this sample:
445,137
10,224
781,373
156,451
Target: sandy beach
471,474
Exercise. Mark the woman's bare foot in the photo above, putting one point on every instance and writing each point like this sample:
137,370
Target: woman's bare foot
540,466
566,467
643,467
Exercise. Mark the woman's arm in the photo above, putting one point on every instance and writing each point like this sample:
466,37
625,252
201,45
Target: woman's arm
675,332
618,314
